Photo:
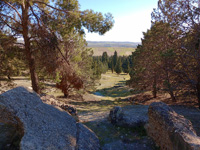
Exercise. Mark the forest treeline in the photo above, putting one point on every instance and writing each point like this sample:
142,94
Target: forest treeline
169,57
115,63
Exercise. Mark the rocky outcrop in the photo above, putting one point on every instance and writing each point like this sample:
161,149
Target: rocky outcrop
46,127
129,116
171,130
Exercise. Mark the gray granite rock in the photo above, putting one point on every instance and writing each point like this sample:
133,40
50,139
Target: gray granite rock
86,138
120,145
45,127
171,130
129,116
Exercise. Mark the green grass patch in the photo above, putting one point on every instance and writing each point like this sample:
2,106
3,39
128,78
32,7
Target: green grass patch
103,105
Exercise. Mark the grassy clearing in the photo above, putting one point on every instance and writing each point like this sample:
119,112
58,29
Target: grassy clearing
113,86
111,91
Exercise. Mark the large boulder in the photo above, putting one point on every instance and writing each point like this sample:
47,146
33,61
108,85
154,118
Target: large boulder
171,130
129,116
44,126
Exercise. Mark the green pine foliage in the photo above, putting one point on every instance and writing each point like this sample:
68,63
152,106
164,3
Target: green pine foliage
11,57
53,38
118,67
126,66
115,57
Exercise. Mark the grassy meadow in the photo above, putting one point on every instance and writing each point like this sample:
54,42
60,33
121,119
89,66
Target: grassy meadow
111,90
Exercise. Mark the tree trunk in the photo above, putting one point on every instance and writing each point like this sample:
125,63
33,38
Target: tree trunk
198,90
154,87
29,53
66,95
170,89
34,77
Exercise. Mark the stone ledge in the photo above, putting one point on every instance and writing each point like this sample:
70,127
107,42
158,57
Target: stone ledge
171,130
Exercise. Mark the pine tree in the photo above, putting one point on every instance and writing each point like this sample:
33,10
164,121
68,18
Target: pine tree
126,66
118,68
115,57
105,57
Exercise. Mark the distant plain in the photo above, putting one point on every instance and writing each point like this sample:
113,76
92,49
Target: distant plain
122,48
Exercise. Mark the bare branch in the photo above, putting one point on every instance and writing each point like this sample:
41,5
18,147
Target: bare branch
10,26
38,20
62,55
10,18
13,8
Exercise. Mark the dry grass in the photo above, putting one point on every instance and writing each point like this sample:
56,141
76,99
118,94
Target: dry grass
98,51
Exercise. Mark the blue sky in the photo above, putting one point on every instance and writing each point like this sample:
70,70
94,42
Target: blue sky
132,17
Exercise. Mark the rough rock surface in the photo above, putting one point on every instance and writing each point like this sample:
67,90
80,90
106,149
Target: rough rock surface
119,145
11,130
51,100
46,127
190,113
86,138
171,130
129,116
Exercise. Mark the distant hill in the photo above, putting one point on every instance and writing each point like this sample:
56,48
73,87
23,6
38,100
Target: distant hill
122,48
112,44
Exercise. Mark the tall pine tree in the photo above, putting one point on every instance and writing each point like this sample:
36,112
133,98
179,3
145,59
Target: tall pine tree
115,57
118,67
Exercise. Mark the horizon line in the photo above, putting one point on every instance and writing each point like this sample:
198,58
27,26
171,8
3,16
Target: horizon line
113,41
